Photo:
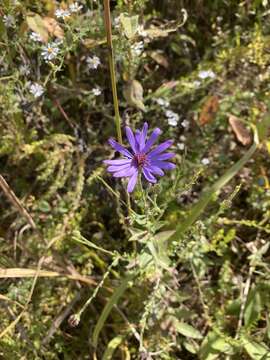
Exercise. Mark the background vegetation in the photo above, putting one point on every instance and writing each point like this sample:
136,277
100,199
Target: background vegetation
179,270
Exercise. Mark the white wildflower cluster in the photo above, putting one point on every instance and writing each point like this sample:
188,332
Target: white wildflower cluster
50,51
35,37
36,90
96,91
93,62
162,102
9,21
204,74
172,117
64,13
181,146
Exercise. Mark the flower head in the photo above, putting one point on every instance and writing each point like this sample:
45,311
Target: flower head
35,37
61,13
96,91
9,20
172,117
36,90
141,158
93,62
50,51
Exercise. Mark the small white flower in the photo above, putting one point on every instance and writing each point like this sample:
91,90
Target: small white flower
75,7
9,20
36,90
35,37
93,62
162,102
137,48
24,69
50,51
183,138
205,161
181,146
96,91
204,74
61,13
185,124
173,118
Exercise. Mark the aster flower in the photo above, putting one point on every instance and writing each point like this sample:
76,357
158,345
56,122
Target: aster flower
36,90
142,158
96,91
93,62
50,51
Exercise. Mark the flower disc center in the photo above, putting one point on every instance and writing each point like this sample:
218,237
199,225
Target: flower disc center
141,159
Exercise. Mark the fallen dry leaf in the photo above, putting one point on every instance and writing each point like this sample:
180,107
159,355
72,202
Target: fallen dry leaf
209,110
53,27
241,132
160,59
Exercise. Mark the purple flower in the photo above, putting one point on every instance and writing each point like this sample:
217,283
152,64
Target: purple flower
142,158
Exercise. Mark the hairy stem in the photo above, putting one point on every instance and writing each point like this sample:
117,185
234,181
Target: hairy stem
108,27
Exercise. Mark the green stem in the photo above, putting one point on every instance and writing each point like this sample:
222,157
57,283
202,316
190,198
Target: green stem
108,27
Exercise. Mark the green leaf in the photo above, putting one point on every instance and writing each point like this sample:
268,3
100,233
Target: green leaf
214,345
253,307
256,351
130,25
112,346
36,24
187,330
196,210
108,307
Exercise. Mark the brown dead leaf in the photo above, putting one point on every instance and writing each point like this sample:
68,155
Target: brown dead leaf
53,27
241,132
209,110
160,59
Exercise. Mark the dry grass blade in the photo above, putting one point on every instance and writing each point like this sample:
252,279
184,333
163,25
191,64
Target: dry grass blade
26,273
16,202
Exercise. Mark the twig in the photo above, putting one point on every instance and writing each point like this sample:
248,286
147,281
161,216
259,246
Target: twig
16,202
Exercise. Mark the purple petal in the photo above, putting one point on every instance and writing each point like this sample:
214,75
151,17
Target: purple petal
143,135
116,168
126,172
131,139
155,170
153,137
163,164
165,156
137,138
160,148
117,162
149,177
118,147
132,182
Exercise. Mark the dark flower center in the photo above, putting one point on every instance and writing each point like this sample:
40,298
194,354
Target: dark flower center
140,159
